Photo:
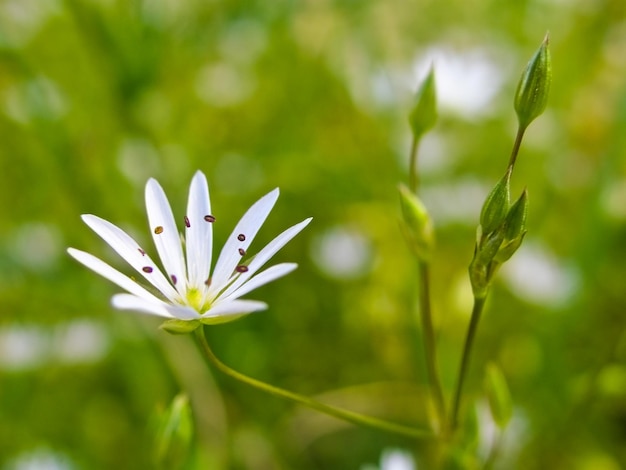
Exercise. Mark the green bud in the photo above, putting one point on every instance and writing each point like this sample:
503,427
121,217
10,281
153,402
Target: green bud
424,113
516,218
498,395
179,327
514,228
174,434
417,224
496,205
482,267
532,92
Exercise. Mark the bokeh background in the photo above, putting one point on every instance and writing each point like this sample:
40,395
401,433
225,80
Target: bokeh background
97,96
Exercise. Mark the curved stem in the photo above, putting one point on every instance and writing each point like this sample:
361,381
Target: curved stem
516,147
339,413
479,303
429,341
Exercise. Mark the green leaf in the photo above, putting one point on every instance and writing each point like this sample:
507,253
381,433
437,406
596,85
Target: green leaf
423,115
533,88
498,395
174,434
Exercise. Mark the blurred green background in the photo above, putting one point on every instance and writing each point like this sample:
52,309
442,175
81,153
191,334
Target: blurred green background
97,96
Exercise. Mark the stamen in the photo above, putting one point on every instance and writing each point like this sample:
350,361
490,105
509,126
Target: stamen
143,253
241,268
158,230
147,269
209,218
241,237
242,252
208,282
174,280
187,224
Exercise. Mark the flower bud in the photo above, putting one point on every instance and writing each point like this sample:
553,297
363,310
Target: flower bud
496,205
482,267
516,218
532,92
424,112
417,224
514,228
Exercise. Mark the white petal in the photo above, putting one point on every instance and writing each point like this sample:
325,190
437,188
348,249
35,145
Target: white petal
265,254
130,250
199,234
182,312
168,241
269,275
112,275
235,307
131,302
248,226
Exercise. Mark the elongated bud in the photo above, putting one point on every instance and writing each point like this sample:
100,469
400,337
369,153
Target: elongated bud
516,218
514,228
498,395
423,115
532,92
496,205
174,434
482,267
417,224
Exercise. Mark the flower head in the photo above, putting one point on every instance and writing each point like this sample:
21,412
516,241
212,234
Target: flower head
189,293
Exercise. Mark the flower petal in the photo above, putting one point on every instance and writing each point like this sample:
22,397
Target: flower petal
130,250
165,234
234,307
265,254
112,274
199,231
137,304
269,275
182,312
247,228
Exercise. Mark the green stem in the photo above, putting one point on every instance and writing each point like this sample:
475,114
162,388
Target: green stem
429,341
413,180
479,303
516,147
339,413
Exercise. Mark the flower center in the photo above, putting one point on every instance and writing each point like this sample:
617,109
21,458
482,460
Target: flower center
195,298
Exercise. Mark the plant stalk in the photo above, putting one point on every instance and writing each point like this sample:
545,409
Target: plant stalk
429,341
339,413
479,303
516,146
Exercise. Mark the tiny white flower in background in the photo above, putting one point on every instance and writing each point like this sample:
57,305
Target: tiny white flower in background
190,292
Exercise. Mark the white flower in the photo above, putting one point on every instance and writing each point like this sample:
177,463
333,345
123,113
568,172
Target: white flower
189,292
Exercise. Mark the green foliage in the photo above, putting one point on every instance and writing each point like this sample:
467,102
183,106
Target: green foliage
98,96
498,395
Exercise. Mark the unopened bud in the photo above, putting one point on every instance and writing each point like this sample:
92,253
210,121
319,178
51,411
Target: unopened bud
532,92
496,205
514,228
424,112
417,224
516,218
